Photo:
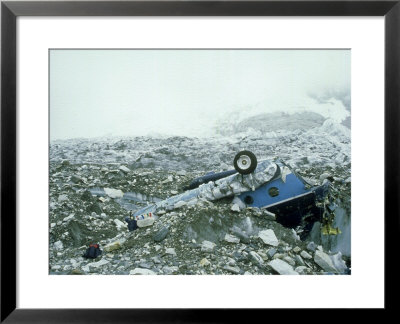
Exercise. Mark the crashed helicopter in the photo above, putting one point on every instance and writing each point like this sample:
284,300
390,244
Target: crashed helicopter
270,185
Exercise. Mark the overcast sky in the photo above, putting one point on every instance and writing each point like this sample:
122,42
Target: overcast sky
184,92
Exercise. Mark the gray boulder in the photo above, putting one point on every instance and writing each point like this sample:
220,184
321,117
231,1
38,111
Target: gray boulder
268,237
161,234
311,246
282,267
338,262
235,270
255,258
271,252
140,271
231,239
244,238
207,246
324,261
305,255
58,245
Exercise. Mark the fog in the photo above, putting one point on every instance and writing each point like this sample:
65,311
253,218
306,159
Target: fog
188,92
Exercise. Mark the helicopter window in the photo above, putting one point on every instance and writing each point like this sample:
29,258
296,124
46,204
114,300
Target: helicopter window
248,200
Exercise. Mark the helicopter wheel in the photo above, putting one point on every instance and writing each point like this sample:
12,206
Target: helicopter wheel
245,162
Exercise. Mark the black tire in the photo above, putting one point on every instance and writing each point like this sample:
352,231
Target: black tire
245,162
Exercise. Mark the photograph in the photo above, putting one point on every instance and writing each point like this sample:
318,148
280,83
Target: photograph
199,161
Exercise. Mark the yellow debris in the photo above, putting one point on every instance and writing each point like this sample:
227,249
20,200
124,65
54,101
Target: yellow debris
329,230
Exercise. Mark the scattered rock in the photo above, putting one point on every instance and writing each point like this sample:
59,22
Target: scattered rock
145,265
58,245
299,260
62,198
235,208
295,235
119,224
156,260
170,251
180,204
271,252
311,246
324,176
65,163
124,169
161,234
99,263
263,255
282,267
324,261
231,239
268,215
76,272
113,193
301,269
296,249
289,260
85,268
97,163
140,271
66,219
240,203
116,245
193,202
204,262
305,255
244,238
207,246
235,270
76,179
278,256
338,262
255,258
170,270
268,237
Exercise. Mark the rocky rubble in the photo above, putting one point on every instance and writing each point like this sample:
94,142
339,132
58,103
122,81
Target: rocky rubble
206,238
94,184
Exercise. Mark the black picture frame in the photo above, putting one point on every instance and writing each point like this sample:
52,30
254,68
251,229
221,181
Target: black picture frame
10,10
